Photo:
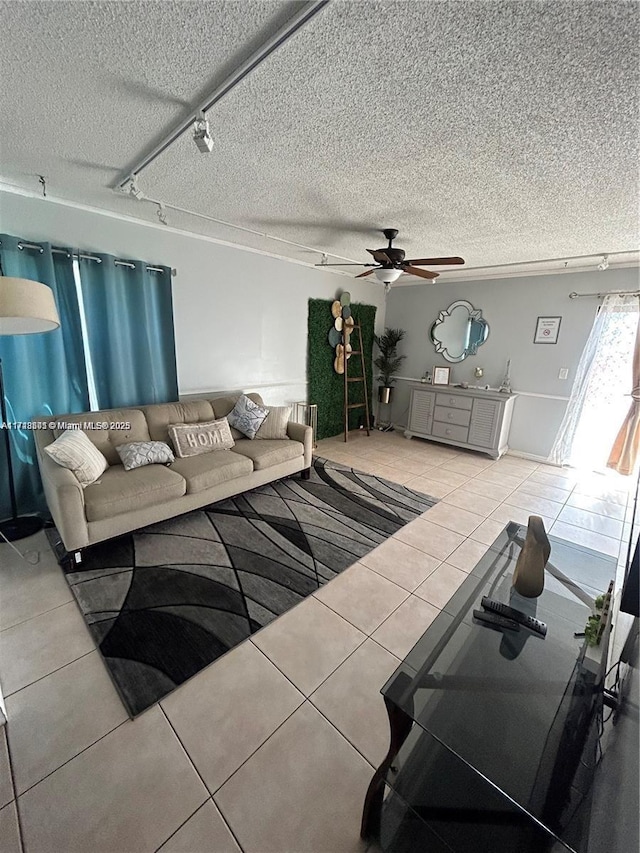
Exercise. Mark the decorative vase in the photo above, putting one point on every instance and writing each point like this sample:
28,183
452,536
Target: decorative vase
528,577
384,393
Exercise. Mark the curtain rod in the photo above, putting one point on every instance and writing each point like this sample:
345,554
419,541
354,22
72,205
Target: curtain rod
575,295
59,251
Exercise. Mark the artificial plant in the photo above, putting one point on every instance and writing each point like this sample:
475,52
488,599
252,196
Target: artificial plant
388,362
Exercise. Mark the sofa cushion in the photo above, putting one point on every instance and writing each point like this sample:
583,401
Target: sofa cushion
121,491
223,405
210,469
112,427
160,415
269,452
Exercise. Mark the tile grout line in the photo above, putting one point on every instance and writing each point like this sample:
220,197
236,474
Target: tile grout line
57,669
206,787
64,763
332,671
362,631
14,789
38,615
201,806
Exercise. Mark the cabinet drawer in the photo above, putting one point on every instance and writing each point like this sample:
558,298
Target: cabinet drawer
452,416
450,431
454,401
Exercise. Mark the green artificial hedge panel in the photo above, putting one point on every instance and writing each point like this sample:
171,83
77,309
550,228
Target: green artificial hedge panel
325,386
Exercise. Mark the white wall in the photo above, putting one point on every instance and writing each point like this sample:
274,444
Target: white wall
240,317
511,307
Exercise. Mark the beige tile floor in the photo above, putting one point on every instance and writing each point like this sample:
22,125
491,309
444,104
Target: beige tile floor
272,747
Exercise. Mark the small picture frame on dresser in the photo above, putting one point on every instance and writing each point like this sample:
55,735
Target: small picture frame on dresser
441,375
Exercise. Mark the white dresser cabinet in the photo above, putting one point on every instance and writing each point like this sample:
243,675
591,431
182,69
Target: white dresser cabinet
466,417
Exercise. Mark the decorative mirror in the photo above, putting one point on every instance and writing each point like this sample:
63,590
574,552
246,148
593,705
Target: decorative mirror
459,331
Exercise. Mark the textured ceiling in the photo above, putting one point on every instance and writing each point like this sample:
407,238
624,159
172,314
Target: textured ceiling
499,131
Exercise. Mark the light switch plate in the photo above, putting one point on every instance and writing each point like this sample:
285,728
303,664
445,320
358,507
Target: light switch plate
563,373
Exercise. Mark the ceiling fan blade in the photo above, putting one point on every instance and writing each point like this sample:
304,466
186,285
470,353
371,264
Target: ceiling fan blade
362,274
422,273
380,257
435,261
345,265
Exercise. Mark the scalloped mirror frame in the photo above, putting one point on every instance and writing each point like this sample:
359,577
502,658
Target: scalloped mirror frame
449,327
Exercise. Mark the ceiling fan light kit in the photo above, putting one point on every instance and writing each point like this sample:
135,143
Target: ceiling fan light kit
390,262
387,275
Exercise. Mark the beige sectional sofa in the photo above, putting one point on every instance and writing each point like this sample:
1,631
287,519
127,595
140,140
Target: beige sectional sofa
121,501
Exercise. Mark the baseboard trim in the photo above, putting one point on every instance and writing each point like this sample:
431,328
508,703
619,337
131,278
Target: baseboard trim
532,457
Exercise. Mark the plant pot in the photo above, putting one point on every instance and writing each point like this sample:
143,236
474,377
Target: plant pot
385,394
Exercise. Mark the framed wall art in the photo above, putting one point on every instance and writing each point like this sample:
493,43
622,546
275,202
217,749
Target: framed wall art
547,330
441,375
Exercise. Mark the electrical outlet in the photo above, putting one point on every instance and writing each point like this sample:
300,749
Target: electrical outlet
563,373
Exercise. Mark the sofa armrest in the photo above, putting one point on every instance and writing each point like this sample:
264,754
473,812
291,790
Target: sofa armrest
65,498
303,434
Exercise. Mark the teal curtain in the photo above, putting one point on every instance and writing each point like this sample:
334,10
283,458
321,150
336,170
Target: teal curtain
44,374
129,318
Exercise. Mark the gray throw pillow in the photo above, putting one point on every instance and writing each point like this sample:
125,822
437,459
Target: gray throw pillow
247,416
140,453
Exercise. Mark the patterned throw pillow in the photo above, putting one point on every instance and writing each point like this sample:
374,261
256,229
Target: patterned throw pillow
247,416
275,424
140,453
75,451
193,439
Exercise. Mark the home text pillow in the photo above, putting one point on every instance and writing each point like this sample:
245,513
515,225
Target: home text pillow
192,439
136,454
275,424
75,451
247,416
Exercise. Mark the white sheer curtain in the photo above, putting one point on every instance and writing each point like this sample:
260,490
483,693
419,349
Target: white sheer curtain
600,386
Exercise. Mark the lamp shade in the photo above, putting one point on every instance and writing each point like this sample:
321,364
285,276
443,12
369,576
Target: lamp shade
387,275
26,307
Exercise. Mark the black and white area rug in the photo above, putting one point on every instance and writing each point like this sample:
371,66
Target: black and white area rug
166,601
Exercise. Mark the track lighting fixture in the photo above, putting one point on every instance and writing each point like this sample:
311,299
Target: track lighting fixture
604,264
131,188
201,135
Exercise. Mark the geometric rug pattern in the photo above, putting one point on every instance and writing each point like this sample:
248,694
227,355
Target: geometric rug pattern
165,601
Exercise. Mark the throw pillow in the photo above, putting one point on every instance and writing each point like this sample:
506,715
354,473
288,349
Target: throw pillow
136,454
193,439
75,451
247,416
275,424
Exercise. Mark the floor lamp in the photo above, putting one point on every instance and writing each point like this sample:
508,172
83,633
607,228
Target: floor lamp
26,308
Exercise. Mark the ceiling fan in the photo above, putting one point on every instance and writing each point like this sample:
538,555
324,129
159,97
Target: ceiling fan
390,262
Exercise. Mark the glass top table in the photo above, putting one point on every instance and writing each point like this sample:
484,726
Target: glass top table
494,732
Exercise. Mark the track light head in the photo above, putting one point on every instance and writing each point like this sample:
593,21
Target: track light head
131,188
161,213
201,135
604,264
